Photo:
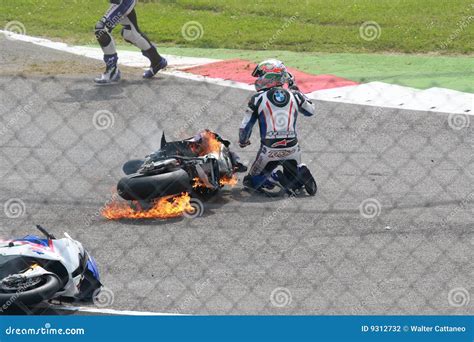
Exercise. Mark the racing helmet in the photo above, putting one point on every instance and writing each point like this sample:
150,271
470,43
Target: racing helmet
270,73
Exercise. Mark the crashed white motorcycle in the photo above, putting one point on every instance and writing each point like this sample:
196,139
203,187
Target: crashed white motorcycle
34,269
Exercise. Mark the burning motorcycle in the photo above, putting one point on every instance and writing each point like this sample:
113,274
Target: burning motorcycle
169,181
35,269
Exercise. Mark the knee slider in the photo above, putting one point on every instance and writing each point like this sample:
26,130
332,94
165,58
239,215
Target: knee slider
102,33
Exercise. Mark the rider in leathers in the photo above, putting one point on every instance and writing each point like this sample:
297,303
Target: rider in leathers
123,12
276,109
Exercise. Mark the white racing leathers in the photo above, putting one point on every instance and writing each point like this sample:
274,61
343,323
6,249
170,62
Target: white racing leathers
276,111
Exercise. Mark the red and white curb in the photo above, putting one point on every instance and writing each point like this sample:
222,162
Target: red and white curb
377,94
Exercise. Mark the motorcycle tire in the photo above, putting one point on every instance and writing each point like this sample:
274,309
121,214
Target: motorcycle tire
308,181
139,187
49,285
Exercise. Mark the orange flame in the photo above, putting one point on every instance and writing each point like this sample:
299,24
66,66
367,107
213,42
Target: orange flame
209,144
197,183
163,208
231,181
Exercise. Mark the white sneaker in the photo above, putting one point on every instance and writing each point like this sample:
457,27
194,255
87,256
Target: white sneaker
111,75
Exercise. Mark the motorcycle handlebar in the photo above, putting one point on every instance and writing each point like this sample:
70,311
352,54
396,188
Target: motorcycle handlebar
45,232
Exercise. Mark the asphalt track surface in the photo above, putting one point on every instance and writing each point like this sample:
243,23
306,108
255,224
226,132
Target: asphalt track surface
329,258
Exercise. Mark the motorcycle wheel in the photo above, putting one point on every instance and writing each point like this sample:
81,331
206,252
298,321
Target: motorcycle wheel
311,187
197,209
30,292
145,188
308,181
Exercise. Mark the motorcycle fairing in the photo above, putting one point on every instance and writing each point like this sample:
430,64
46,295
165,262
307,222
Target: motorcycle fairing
92,267
10,264
35,239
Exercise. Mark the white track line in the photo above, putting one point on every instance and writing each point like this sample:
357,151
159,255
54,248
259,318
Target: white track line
109,311
128,58
386,95
377,94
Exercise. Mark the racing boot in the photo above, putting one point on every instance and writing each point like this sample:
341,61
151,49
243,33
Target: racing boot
112,72
235,160
253,183
262,184
274,180
280,180
240,168
307,180
247,182
157,62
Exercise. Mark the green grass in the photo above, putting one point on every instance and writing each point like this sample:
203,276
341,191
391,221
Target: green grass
316,36
408,26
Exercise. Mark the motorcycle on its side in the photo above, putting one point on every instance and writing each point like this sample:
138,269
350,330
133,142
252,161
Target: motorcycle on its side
199,166
34,269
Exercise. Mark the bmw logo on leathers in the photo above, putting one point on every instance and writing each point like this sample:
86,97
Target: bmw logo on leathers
279,97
